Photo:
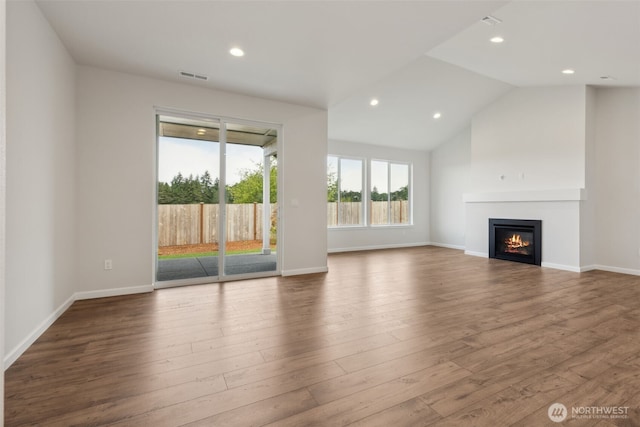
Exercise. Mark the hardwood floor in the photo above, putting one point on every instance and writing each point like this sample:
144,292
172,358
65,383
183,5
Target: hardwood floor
408,337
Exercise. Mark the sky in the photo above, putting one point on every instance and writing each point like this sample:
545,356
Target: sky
351,174
194,157
189,156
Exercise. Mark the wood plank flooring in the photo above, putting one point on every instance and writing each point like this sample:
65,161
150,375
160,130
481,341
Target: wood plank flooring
406,337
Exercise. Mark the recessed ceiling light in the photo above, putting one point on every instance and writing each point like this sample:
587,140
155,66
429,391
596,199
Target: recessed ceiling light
374,102
236,51
496,39
202,131
437,115
568,71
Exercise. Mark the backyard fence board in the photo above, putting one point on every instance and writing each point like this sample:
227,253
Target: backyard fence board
210,223
349,213
344,213
178,225
198,223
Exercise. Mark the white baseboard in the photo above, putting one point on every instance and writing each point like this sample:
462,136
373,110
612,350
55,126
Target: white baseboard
585,268
300,271
561,267
544,264
103,293
183,282
474,253
629,271
446,245
377,247
15,353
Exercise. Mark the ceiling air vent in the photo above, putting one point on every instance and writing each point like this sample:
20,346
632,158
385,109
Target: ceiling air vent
491,20
190,75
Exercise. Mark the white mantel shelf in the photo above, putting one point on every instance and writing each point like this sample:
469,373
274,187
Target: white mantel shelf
560,195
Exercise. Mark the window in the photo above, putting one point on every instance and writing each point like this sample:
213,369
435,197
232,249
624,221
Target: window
345,191
389,193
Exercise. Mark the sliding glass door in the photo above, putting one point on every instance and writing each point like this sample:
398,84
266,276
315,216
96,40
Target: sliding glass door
217,200
250,176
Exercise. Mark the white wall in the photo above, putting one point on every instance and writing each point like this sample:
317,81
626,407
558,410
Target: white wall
538,132
450,164
116,178
617,130
3,98
560,228
348,239
596,133
81,180
40,239
531,141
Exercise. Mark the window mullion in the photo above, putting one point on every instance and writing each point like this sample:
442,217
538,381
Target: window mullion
389,193
339,191
366,194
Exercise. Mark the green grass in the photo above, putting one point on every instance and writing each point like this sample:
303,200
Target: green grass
214,253
193,255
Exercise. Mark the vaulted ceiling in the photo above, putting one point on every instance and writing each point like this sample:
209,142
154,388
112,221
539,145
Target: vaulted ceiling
415,57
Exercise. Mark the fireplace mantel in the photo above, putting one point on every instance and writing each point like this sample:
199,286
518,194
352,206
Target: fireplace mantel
560,195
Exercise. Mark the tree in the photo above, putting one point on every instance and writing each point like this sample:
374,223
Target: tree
401,194
332,187
208,188
165,196
201,189
378,197
249,188
189,190
193,190
350,196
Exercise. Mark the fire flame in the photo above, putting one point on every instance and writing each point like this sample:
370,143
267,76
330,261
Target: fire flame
515,242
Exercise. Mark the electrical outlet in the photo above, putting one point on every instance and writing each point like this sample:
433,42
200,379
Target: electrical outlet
108,264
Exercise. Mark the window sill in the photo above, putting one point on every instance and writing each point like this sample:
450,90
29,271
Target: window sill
369,227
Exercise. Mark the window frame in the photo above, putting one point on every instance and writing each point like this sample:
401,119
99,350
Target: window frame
364,192
365,210
389,163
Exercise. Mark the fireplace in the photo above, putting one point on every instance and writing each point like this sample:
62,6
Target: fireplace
517,240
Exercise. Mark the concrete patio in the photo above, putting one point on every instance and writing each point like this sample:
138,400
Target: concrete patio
188,268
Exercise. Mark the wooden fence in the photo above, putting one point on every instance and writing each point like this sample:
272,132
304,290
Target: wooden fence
198,223
350,213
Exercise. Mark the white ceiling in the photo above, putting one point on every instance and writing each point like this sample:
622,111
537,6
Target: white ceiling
408,100
594,38
416,57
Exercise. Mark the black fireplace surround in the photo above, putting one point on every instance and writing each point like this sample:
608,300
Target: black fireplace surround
518,240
